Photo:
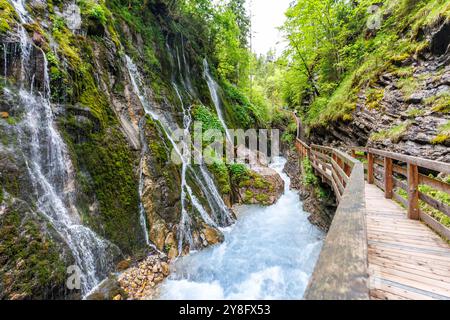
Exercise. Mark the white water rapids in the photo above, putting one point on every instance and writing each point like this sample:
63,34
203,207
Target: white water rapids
270,253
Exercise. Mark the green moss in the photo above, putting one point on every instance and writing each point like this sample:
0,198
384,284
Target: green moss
394,134
239,172
31,264
439,103
248,196
209,120
443,135
110,163
262,198
415,112
12,121
222,176
7,16
374,98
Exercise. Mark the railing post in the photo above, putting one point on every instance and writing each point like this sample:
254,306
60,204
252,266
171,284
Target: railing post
370,177
388,178
413,192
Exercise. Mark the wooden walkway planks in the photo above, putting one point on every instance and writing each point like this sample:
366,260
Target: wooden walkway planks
406,259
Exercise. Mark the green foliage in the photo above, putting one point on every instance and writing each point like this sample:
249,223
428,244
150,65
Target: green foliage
95,11
394,134
239,172
222,176
334,57
30,262
209,120
435,194
7,16
443,135
309,178
109,161
439,103
415,112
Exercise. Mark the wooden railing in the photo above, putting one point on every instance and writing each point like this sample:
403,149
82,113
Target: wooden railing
341,271
392,172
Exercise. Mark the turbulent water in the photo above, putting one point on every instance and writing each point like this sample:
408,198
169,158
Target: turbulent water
270,253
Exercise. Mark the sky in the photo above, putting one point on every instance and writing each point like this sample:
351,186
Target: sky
267,15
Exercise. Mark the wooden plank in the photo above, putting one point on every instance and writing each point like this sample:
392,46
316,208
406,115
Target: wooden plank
388,178
416,281
399,169
401,291
379,184
406,233
411,251
413,192
425,271
434,183
339,171
435,225
400,184
383,295
442,207
400,199
338,183
411,243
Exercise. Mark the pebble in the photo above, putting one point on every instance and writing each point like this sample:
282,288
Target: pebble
141,281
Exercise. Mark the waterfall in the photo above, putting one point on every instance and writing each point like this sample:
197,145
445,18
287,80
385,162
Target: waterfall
213,89
51,171
142,215
207,184
209,189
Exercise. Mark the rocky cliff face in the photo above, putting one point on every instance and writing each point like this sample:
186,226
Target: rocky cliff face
98,86
404,109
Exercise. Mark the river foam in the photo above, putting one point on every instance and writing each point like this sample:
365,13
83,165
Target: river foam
270,253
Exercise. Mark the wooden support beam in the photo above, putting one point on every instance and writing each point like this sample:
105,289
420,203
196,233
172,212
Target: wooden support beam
388,178
370,175
413,192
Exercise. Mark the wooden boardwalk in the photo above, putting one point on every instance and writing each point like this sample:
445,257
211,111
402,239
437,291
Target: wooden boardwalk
407,260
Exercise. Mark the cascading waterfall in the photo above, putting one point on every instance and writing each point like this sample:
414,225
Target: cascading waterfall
200,172
214,90
210,190
50,169
142,215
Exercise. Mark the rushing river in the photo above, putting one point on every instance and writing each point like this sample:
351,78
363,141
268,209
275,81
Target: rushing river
270,253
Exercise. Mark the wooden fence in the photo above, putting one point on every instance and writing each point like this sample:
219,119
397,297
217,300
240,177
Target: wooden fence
393,172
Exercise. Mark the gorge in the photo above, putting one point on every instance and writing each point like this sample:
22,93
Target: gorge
94,177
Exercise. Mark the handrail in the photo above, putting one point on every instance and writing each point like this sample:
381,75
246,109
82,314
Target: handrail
389,176
341,272
342,269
